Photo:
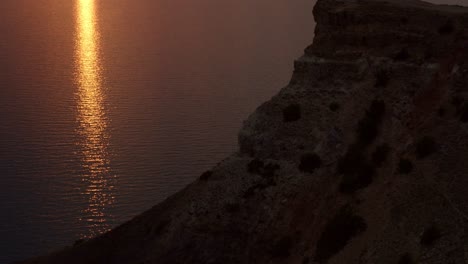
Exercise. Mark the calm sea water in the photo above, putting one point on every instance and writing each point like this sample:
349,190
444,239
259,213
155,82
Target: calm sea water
110,106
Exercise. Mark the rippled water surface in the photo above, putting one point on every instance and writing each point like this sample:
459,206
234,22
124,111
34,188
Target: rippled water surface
110,106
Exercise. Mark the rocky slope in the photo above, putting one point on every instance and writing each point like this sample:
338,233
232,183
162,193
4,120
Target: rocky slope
362,158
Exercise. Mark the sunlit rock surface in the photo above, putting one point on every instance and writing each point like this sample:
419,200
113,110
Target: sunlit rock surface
362,158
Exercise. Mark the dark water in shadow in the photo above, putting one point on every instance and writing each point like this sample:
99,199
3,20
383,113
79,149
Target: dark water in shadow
110,106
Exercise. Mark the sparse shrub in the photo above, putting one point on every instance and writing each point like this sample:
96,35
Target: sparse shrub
79,242
464,113
267,171
402,55
430,236
425,147
334,106
282,248
405,166
337,233
447,28
428,54
364,40
406,259
310,162
377,109
404,20
256,187
368,127
441,112
206,175
255,166
270,169
232,207
380,155
457,101
382,78
161,227
250,192
292,113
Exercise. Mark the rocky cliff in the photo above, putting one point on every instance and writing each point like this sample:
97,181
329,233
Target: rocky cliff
362,158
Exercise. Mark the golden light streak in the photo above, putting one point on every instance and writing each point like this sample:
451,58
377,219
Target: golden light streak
92,120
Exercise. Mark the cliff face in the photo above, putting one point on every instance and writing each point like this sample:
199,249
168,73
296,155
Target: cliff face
360,159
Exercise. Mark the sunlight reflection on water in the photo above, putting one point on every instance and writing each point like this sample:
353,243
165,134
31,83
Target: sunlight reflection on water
93,122
111,112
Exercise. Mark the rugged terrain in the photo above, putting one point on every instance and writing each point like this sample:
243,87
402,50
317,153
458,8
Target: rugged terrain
362,158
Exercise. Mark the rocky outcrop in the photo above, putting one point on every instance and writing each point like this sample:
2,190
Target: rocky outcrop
360,159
